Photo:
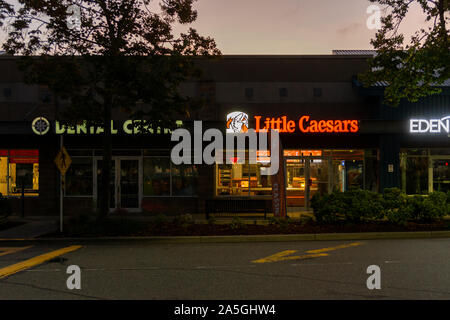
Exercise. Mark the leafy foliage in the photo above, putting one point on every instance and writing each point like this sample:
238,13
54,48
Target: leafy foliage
398,208
361,205
281,223
237,223
413,69
125,54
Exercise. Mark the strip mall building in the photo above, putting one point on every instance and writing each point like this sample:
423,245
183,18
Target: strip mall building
335,134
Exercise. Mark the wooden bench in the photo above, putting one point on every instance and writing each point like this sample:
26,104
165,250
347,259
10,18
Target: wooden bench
236,206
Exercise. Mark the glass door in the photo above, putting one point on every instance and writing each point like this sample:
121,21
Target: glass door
319,176
295,184
125,186
306,176
129,187
98,163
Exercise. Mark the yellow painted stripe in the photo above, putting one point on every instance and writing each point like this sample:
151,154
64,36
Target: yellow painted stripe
275,257
8,250
7,271
348,245
284,255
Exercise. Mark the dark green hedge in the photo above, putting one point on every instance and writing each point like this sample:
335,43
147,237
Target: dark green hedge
358,205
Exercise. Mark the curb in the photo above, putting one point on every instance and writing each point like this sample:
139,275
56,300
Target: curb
251,238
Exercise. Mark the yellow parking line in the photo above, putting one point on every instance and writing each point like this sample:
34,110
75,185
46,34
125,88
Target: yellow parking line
8,250
282,256
275,257
353,244
7,271
286,255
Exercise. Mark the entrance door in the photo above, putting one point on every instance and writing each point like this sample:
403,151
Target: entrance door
128,190
295,184
98,168
306,176
125,186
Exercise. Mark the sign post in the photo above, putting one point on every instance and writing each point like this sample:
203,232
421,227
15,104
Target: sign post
63,162
278,182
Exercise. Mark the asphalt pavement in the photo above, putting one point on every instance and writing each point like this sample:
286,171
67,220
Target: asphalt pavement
409,269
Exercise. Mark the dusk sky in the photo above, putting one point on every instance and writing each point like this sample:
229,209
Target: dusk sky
290,26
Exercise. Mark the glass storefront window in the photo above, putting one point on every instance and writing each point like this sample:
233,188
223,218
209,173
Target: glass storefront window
232,180
263,184
184,180
79,177
4,175
441,175
324,170
243,180
425,170
156,176
19,169
414,174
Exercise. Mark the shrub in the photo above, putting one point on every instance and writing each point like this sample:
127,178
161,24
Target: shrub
398,208
434,207
5,206
328,208
159,219
415,204
237,223
281,223
183,220
361,205
212,220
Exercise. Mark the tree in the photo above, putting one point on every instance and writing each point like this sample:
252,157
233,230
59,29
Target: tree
100,55
413,69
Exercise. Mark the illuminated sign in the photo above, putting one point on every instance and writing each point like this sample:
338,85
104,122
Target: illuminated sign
41,126
237,122
298,153
306,125
430,126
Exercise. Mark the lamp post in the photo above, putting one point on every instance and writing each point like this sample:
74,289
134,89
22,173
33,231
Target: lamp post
21,173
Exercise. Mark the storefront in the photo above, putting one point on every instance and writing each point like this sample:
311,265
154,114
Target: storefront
337,139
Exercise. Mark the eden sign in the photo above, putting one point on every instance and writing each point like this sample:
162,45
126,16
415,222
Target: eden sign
430,126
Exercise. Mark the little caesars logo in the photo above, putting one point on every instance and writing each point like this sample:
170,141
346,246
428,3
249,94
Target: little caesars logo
237,122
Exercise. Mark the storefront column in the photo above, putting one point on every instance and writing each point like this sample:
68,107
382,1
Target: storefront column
389,162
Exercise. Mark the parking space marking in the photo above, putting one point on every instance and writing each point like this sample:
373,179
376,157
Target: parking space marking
343,246
7,271
286,255
8,250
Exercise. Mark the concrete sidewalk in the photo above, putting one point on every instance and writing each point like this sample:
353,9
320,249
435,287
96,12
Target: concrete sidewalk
32,228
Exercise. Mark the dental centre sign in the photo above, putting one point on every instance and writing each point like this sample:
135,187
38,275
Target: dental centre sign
430,125
41,126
